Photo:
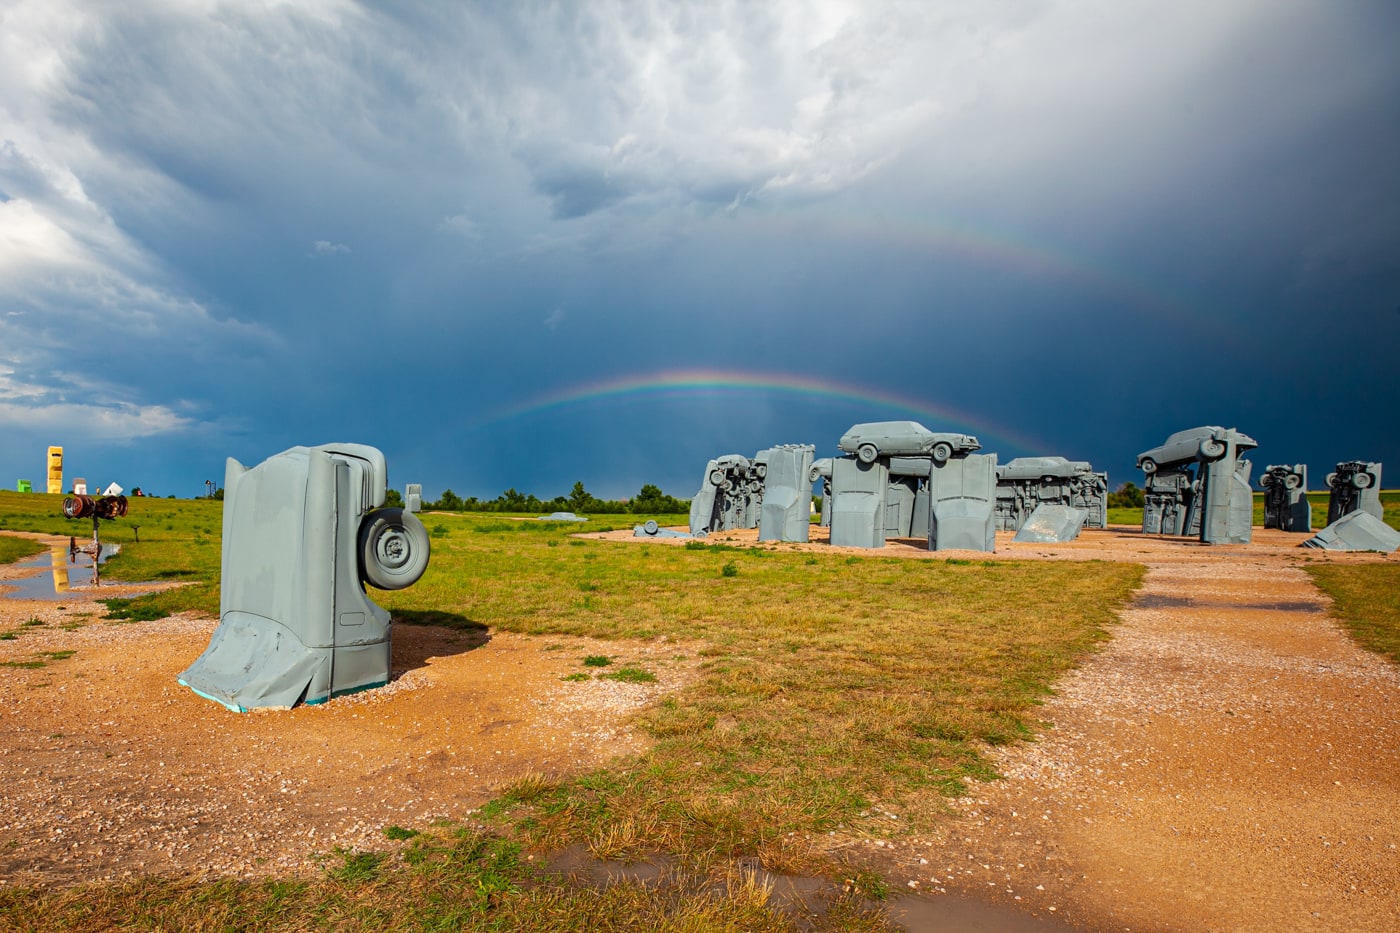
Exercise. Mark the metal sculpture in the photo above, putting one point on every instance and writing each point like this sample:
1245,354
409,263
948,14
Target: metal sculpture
1197,483
1356,486
1286,505
99,509
730,495
903,439
1025,483
1051,523
858,502
1357,531
962,499
303,532
786,498
651,529
413,497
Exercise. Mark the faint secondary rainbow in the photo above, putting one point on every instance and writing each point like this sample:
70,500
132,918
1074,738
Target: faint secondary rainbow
884,405
991,247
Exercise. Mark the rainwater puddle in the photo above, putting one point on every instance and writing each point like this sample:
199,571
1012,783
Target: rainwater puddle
56,577
805,898
1159,601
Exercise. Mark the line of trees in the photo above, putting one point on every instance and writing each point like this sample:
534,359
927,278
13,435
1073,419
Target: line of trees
649,501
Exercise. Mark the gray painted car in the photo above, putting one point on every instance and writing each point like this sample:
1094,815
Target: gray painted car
901,439
1204,443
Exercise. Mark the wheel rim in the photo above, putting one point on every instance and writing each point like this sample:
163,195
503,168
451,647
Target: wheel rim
393,549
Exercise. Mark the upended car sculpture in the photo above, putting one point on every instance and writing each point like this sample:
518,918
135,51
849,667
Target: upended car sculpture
303,532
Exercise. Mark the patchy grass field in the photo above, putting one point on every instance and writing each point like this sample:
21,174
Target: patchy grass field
1390,501
1367,600
835,692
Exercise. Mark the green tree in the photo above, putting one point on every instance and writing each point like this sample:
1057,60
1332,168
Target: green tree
579,498
448,502
392,499
1127,496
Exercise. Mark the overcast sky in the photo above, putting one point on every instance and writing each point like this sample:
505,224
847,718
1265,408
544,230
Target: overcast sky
523,244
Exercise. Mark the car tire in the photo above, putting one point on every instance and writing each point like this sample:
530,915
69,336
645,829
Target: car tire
814,474
1148,465
1361,480
761,470
650,526
1292,481
394,549
1212,448
942,451
716,477
866,453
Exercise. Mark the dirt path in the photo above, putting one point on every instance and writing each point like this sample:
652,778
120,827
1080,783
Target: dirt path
1230,762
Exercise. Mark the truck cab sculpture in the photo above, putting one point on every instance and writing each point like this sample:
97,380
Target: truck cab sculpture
303,532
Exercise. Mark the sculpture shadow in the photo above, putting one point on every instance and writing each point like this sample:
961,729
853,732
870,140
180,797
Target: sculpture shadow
456,634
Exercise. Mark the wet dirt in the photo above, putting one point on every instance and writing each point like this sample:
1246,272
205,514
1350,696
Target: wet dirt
1231,761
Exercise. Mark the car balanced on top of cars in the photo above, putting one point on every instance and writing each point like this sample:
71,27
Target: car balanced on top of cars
903,439
1204,443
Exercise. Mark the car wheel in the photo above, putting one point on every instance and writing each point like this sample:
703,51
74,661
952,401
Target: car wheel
1292,481
1332,480
942,451
394,549
866,453
1212,448
761,470
716,477
814,474
1148,465
1361,480
651,527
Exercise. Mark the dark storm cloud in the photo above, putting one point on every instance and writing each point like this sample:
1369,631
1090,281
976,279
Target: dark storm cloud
384,222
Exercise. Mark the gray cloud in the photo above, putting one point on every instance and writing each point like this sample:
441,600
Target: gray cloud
813,187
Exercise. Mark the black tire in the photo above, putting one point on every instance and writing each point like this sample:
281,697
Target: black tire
1148,465
942,451
866,453
394,549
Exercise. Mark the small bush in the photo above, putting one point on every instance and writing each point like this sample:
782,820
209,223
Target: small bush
729,570
597,660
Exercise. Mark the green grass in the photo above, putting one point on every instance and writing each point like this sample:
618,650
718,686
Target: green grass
1367,601
1390,501
825,688
13,549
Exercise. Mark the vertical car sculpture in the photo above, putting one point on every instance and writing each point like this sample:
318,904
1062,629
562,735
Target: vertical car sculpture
303,532
1197,483
1286,505
1356,486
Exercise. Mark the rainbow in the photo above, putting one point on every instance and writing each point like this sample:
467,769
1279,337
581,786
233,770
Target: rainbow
700,383
991,247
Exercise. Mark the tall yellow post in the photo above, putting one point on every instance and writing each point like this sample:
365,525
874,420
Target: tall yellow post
55,471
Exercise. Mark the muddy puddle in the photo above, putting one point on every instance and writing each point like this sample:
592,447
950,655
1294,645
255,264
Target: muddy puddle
806,898
55,576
